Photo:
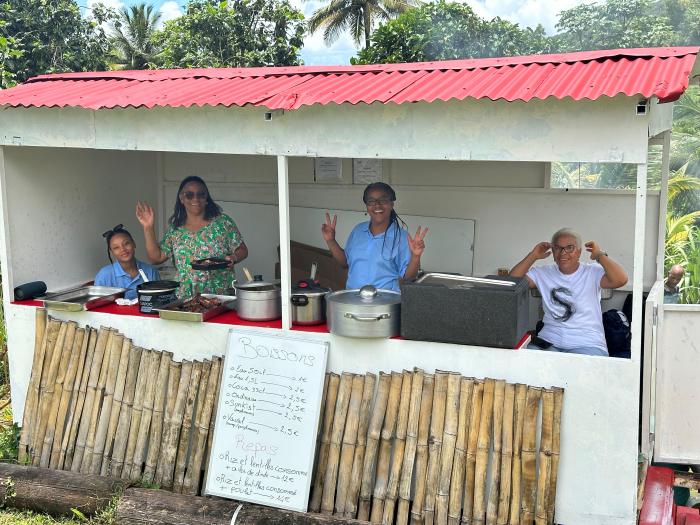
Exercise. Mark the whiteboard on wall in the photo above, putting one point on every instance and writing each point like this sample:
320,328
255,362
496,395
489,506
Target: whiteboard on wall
449,243
267,419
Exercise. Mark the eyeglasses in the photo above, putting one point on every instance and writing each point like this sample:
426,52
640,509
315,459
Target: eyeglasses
382,201
116,229
191,195
569,248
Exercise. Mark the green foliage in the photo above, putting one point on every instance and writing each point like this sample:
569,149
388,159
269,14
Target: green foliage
9,441
233,33
8,50
51,36
134,29
356,16
449,30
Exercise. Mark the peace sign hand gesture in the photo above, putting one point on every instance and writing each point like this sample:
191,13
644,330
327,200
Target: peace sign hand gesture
328,228
416,243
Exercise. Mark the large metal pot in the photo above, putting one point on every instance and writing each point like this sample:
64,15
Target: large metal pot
308,303
367,312
258,300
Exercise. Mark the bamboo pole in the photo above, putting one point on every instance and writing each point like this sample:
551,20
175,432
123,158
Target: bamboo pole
426,405
347,452
93,416
146,414
319,430
190,484
506,455
78,400
198,373
409,454
454,512
437,424
383,459
56,395
147,357
331,475
210,436
328,412
472,444
528,457
373,434
545,456
556,443
28,417
115,353
121,435
449,442
351,502
171,434
399,449
117,406
482,452
46,393
493,497
516,483
172,388
156,432
66,393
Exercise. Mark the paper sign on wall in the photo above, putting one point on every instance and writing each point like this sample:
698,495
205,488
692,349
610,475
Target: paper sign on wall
267,419
328,169
366,171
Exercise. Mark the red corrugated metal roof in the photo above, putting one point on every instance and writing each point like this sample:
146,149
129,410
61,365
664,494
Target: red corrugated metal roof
660,72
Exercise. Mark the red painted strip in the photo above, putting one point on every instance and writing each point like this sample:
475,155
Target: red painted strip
657,508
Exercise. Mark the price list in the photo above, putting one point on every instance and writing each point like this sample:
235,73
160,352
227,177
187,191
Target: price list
267,417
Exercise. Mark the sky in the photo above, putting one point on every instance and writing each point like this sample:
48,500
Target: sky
523,12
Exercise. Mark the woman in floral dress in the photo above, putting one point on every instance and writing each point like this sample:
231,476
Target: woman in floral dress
198,230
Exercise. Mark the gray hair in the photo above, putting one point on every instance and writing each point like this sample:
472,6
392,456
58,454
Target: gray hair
569,232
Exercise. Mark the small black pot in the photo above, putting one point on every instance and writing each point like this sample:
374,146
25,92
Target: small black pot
155,294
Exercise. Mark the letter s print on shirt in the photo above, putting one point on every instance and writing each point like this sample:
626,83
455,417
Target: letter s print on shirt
568,308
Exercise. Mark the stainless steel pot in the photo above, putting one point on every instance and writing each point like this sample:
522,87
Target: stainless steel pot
258,300
367,312
308,303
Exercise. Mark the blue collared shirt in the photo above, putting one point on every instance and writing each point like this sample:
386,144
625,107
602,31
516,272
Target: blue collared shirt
380,260
114,275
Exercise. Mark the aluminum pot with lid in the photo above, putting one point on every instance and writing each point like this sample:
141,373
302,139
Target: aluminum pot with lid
367,312
308,303
258,300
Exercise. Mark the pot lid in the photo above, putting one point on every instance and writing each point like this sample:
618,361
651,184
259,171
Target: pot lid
309,288
258,285
158,286
368,295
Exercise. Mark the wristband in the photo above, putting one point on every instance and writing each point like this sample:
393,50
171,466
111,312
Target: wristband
597,257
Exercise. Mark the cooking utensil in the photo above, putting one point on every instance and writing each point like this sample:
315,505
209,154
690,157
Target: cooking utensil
212,263
155,294
367,312
258,300
172,311
308,300
82,298
143,275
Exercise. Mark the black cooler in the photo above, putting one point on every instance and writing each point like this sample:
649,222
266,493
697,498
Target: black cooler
490,311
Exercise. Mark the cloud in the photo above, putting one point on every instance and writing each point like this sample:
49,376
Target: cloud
169,11
526,13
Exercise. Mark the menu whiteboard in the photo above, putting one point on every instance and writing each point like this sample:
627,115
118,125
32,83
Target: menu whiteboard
267,419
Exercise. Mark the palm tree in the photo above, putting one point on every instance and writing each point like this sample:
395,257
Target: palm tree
133,35
357,16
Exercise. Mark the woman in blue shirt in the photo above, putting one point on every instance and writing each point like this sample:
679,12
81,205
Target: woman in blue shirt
378,252
124,272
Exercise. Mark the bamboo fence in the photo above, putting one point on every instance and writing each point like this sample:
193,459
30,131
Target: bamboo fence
98,404
397,448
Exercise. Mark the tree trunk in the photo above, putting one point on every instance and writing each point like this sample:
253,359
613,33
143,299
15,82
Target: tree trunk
368,24
147,506
54,492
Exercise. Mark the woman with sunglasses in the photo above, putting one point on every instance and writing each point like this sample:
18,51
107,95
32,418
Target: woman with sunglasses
379,252
125,271
198,230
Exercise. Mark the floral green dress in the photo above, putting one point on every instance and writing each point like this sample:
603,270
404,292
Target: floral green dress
217,239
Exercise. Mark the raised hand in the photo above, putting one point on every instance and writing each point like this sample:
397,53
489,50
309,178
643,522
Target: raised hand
145,215
416,243
328,228
594,249
542,250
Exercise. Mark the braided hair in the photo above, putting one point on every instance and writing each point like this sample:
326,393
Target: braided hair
394,220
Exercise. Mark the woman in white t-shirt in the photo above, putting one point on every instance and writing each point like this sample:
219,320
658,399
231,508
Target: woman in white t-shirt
573,320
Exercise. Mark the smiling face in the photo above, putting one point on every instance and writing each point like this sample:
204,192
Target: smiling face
379,206
194,198
566,253
122,248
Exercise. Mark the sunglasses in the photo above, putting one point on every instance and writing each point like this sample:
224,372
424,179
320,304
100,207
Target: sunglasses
116,229
191,195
